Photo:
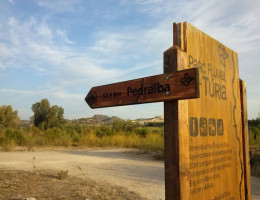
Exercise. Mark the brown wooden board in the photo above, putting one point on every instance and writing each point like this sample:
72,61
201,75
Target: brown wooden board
245,141
164,87
209,128
174,59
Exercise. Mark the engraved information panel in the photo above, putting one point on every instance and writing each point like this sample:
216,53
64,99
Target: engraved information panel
212,166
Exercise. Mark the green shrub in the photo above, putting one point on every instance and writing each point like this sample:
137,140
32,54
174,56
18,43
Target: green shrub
53,133
89,140
2,135
126,126
117,135
104,131
15,135
7,145
35,131
55,136
142,131
73,133
255,164
133,141
154,124
254,136
153,142
63,174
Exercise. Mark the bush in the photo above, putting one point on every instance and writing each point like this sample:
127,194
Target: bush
15,135
35,131
63,174
254,136
142,131
153,142
127,126
2,134
7,145
255,164
72,132
154,124
89,140
8,117
55,136
104,131
145,138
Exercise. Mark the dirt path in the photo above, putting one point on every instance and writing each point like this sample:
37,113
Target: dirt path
128,168
138,173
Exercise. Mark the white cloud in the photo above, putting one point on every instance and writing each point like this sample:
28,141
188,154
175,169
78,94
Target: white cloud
45,31
58,92
109,42
63,36
60,5
121,52
12,21
34,41
23,92
136,49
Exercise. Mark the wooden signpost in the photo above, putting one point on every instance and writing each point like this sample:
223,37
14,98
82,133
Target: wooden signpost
164,87
205,118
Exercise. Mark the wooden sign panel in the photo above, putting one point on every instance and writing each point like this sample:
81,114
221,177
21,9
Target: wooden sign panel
164,87
209,143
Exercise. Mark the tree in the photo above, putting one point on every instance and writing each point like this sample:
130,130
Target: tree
258,117
47,116
8,117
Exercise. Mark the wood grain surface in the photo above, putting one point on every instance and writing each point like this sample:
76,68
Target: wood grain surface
209,128
246,157
164,87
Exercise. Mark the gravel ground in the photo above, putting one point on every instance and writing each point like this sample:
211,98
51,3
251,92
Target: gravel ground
138,172
41,185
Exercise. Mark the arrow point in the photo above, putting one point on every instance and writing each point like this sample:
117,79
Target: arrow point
91,98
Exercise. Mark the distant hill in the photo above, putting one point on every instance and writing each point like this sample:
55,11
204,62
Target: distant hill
149,120
104,119
25,123
96,120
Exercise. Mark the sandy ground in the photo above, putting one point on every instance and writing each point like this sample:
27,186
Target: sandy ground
128,168
48,185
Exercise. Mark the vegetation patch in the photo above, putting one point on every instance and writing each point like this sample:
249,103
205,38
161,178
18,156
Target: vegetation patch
14,185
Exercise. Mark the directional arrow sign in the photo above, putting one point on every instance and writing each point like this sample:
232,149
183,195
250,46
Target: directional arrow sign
164,87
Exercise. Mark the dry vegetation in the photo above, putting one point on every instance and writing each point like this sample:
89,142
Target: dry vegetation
42,185
120,134
254,143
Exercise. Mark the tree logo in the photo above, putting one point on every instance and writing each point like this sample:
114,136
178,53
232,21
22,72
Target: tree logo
186,79
223,55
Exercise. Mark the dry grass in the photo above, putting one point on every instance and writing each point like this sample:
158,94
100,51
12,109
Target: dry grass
147,138
152,142
8,145
255,161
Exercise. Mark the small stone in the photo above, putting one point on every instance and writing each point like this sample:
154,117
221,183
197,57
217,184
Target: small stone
30,198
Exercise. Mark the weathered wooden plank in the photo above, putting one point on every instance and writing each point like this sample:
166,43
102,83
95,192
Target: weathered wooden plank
245,141
164,87
174,60
215,156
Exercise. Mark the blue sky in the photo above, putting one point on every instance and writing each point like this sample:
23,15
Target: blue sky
60,49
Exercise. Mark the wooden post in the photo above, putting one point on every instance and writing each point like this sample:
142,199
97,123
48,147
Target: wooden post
206,157
245,141
174,60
